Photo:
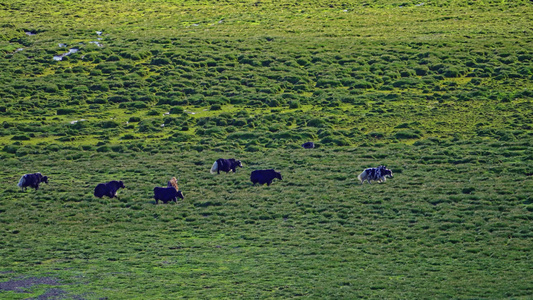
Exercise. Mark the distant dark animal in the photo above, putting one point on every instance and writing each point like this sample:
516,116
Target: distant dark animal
108,189
167,194
32,180
378,174
308,145
225,165
264,176
173,183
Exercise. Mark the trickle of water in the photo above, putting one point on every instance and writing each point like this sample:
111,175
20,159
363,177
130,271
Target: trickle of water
96,43
60,57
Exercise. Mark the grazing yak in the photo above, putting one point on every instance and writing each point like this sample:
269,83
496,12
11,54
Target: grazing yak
32,180
167,194
308,145
264,176
378,174
225,165
108,189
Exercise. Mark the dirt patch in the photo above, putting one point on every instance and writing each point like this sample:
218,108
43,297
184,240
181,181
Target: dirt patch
54,293
57,294
20,284
24,285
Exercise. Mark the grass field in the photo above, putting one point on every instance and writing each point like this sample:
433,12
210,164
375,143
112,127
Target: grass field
440,92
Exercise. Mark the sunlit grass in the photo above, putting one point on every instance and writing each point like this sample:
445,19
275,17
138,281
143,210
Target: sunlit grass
439,92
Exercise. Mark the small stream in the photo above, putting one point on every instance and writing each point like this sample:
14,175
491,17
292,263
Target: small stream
70,51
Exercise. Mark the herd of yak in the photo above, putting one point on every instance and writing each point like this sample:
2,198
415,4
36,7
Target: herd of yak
171,192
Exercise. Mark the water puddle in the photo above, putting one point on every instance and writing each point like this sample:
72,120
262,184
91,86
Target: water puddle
70,51
99,33
74,50
96,43
76,121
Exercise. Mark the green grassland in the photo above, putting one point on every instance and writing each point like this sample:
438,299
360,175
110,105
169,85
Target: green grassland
439,91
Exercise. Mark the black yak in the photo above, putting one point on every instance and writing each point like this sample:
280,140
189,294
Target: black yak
108,189
32,180
225,165
264,176
167,194
308,145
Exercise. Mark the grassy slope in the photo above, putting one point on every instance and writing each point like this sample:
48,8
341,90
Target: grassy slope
456,73
455,222
440,228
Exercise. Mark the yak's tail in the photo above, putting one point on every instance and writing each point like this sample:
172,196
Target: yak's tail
214,168
22,181
360,177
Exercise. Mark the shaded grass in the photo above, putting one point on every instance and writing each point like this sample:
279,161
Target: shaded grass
435,229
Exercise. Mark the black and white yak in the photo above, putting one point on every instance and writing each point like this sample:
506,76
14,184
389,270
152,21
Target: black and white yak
225,165
378,174
32,180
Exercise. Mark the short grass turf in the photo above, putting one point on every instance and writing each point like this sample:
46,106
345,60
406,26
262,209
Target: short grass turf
438,91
